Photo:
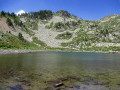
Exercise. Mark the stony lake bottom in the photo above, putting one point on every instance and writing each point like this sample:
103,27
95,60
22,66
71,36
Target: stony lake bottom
60,71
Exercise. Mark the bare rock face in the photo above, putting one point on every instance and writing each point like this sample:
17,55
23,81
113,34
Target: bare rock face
3,25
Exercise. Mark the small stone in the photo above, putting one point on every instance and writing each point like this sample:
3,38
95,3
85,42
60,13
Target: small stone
63,79
58,85
49,88
17,87
77,87
70,85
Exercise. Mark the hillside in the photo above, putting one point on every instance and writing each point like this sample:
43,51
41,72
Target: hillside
58,30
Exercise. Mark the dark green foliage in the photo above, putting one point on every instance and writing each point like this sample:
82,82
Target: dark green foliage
28,31
5,44
9,22
43,15
66,35
13,42
72,24
104,32
20,37
63,13
59,25
18,22
33,25
8,13
2,13
12,14
46,14
67,24
35,39
24,15
50,26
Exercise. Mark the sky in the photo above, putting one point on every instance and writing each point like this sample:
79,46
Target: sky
85,9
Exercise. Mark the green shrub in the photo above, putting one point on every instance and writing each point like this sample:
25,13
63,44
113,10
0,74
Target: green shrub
2,13
42,14
5,44
13,42
18,22
20,37
13,15
67,24
59,25
66,35
35,39
9,22
51,24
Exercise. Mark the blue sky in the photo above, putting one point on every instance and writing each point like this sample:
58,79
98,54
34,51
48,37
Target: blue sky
86,9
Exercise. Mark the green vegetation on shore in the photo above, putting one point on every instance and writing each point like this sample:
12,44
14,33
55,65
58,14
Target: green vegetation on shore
9,41
42,44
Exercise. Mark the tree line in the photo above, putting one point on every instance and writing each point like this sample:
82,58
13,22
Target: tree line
42,14
3,13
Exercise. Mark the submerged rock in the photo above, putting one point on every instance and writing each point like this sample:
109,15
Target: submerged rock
1,88
16,87
49,88
63,79
89,87
77,87
23,81
58,85
93,83
52,81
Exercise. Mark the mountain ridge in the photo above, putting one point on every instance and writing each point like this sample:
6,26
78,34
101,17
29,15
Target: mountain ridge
61,30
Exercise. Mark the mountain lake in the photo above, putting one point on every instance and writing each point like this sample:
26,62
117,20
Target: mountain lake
60,71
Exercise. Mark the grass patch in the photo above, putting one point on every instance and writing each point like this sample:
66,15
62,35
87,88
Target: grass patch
10,41
31,33
66,35
50,26
45,22
35,39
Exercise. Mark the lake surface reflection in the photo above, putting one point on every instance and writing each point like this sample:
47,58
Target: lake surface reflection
38,69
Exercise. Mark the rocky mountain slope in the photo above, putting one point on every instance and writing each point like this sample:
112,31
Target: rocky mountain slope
60,30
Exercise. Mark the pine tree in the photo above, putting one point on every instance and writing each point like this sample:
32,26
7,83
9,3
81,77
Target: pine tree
13,14
8,21
20,36
2,13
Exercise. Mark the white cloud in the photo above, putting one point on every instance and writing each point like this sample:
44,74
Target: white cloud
20,12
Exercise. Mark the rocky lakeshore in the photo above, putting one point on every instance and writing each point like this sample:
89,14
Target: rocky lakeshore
37,51
17,51
60,84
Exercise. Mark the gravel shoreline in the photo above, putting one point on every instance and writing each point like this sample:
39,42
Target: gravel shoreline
37,51
18,51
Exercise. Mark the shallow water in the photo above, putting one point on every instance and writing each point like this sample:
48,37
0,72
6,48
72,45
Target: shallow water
46,68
